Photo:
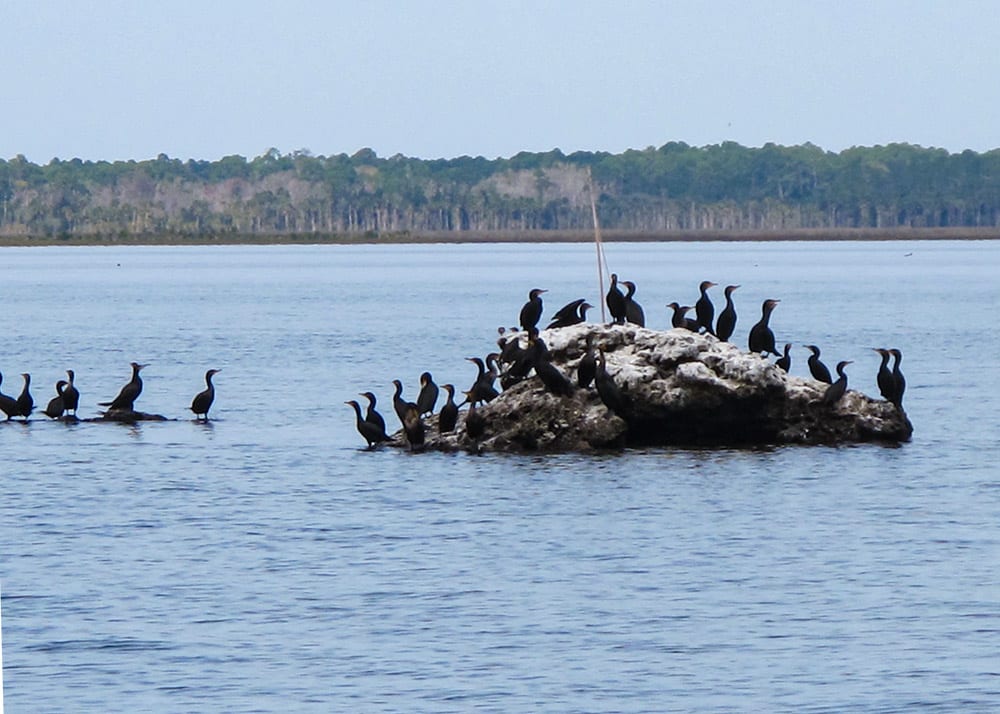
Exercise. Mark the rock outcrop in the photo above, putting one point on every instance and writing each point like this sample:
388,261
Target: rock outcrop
681,388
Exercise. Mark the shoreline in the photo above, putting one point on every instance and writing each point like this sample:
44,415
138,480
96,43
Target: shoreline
486,237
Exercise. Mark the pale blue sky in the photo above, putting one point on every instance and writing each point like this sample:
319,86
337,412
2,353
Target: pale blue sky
111,79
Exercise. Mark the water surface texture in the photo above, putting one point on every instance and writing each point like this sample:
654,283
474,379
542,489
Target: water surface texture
264,563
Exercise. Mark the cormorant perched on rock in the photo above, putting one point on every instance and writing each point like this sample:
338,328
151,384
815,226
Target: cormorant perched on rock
553,379
898,378
475,423
202,401
8,404
680,318
761,338
413,427
25,404
633,310
371,415
399,405
567,315
615,301
886,382
428,396
129,393
70,395
448,416
609,392
483,389
587,367
785,361
371,433
56,405
817,369
531,313
726,323
703,309
835,391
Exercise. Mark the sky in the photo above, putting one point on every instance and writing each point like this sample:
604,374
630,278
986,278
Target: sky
119,80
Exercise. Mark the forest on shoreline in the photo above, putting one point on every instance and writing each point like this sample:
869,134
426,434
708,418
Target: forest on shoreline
674,192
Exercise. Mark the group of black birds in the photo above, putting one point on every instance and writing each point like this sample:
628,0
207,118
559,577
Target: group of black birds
514,363
67,399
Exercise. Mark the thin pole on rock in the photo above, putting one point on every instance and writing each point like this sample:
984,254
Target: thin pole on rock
599,244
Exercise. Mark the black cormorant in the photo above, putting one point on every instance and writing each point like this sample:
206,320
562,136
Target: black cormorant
836,390
57,405
413,427
531,313
567,315
25,404
898,378
726,323
371,415
428,396
482,389
587,367
129,393
609,392
817,369
71,396
703,309
785,361
761,339
615,301
553,378
202,401
680,318
8,404
633,310
886,382
371,433
448,416
399,405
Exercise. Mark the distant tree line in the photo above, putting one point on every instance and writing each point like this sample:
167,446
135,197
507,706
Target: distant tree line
675,187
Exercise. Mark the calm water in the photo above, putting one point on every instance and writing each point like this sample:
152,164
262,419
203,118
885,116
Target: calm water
263,563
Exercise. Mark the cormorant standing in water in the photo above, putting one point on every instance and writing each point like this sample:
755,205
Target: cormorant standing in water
70,395
567,315
57,404
609,392
8,404
615,301
835,391
448,416
785,361
129,393
371,415
371,433
202,401
531,313
761,338
726,323
703,309
413,427
483,389
817,369
885,380
587,367
428,396
633,310
898,378
680,318
25,404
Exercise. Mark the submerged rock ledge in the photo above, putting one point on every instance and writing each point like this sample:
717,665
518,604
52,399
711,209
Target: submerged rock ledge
683,389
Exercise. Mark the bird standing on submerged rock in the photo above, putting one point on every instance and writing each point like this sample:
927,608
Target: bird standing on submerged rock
371,433
817,369
371,414
475,423
761,338
448,416
202,401
884,379
8,404
633,310
25,403
680,318
726,323
531,313
785,361
615,301
898,378
129,393
428,396
836,391
70,395
704,310
56,405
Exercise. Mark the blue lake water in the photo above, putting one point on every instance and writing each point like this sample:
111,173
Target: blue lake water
263,562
